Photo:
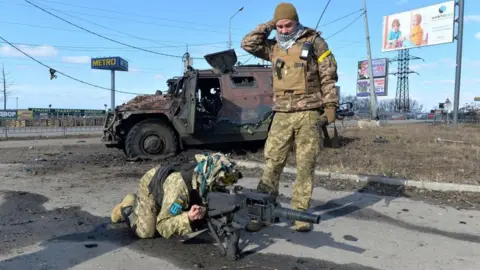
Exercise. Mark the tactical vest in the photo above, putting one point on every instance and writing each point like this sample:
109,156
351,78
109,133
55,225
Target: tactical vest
156,184
290,72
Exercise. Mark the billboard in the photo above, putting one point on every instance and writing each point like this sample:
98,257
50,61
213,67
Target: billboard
380,77
110,63
380,68
8,114
381,87
426,26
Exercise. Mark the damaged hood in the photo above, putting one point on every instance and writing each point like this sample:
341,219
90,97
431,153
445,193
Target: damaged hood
147,102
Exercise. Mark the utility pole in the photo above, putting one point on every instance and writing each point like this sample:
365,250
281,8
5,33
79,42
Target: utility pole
373,96
4,89
458,69
229,28
6,83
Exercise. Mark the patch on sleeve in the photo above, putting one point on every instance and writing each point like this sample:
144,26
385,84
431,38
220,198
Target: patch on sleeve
175,208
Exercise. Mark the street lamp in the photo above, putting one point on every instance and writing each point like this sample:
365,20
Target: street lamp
229,28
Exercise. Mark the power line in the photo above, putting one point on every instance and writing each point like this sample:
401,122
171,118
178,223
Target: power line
107,38
121,32
68,76
345,27
128,13
132,20
97,48
112,35
343,17
80,66
139,21
323,12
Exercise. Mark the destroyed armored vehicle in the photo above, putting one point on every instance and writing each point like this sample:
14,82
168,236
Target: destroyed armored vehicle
229,103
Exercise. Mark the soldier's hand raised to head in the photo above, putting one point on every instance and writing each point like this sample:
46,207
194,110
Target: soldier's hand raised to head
196,212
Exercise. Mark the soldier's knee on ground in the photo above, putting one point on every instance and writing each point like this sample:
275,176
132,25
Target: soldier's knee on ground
145,232
116,215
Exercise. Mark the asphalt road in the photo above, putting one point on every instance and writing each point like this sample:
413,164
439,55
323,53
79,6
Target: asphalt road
56,198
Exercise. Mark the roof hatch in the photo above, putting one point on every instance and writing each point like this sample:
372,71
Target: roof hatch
223,61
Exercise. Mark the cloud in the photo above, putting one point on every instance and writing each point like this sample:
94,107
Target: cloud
159,77
35,51
471,18
477,35
443,82
423,66
76,59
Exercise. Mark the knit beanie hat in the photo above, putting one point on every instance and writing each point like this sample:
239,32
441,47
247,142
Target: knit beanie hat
285,11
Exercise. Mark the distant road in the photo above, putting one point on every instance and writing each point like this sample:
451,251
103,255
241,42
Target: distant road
94,130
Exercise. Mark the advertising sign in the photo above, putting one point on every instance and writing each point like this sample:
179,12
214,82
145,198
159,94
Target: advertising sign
110,63
24,115
60,111
363,87
380,68
426,26
8,114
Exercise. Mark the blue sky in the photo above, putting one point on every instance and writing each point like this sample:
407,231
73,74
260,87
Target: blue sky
168,26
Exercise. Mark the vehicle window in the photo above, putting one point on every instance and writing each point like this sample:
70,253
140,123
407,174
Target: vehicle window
243,81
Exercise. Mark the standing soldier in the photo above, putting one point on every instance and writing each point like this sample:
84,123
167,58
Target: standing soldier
304,76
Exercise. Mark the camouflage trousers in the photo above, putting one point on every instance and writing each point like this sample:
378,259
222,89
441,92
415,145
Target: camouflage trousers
145,209
287,129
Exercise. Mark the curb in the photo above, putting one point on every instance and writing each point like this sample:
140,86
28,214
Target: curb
379,179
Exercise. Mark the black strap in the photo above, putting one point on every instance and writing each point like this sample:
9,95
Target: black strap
156,184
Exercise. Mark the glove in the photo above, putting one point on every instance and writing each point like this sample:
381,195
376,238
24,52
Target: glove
272,24
329,114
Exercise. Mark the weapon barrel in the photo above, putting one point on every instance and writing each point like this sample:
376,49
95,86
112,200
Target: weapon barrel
291,214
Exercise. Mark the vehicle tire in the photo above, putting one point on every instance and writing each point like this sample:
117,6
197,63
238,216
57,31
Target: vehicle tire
150,139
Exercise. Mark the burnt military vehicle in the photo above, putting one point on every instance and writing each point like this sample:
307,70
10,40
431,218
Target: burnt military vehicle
225,104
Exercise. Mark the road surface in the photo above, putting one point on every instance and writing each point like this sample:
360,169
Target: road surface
56,198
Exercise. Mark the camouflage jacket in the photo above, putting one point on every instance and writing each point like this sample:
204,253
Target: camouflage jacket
172,219
321,70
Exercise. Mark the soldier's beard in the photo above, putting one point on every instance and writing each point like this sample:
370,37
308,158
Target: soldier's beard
286,41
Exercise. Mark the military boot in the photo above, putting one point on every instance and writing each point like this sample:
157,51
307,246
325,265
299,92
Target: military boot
129,200
301,226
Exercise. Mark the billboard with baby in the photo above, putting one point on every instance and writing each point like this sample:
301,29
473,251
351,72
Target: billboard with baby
426,26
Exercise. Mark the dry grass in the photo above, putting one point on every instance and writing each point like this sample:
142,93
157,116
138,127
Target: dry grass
412,152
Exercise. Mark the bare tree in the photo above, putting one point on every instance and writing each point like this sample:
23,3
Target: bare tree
384,106
6,83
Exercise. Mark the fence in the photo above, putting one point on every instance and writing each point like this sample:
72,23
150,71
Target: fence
57,125
60,125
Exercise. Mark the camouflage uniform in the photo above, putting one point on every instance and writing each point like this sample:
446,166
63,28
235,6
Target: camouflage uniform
170,216
306,87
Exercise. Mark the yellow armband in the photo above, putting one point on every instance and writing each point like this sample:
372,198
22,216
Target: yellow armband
323,56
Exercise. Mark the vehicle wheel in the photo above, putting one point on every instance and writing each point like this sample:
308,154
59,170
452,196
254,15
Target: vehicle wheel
150,139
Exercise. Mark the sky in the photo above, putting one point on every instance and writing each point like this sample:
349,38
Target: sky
169,26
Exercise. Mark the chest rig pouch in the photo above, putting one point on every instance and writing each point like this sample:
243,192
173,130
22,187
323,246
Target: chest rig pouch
156,184
291,68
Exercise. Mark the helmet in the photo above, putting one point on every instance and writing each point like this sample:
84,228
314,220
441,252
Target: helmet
214,170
